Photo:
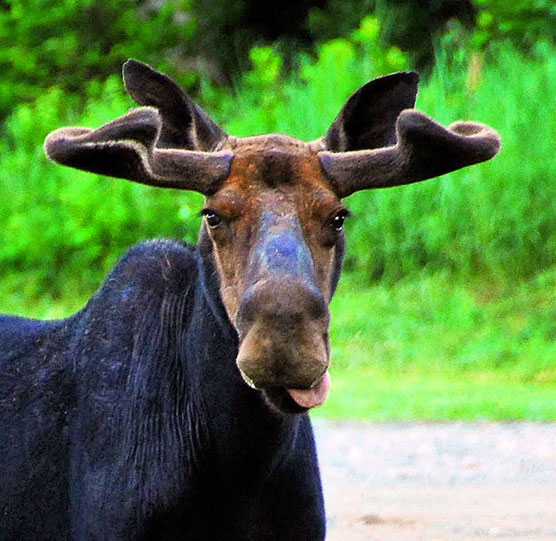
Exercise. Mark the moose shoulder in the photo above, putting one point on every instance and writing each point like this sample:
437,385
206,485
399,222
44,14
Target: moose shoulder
174,405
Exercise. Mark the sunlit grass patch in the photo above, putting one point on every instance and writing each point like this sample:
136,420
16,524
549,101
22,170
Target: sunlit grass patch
368,394
429,347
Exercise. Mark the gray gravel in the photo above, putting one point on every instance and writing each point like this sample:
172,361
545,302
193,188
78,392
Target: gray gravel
438,480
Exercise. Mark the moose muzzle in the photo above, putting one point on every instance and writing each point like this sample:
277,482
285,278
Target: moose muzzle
283,317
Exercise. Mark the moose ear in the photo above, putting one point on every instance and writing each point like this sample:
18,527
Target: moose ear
184,124
368,119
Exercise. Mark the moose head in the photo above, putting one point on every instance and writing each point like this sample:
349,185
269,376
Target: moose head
272,239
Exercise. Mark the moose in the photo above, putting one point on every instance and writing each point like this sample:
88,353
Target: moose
175,404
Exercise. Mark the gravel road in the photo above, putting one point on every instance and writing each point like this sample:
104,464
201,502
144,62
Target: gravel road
435,481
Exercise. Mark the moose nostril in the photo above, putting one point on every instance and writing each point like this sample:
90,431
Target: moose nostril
316,305
282,317
283,303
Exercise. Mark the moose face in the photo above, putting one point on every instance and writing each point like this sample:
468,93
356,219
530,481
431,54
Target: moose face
273,214
276,229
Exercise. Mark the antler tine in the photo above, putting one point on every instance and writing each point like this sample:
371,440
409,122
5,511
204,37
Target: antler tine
126,148
424,150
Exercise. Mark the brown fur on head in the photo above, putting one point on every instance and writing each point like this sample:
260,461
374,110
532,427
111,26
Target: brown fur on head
273,210
278,175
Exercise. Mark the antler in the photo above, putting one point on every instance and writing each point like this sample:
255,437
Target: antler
162,147
172,142
424,150
126,148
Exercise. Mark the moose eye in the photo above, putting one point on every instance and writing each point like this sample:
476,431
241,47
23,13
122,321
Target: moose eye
337,221
211,217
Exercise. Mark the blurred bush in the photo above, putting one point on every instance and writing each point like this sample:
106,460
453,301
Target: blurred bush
67,43
524,23
63,229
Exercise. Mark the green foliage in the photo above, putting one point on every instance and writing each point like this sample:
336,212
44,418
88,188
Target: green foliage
523,22
338,18
46,43
63,229
440,327
267,100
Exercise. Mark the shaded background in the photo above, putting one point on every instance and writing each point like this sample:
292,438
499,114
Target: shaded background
447,303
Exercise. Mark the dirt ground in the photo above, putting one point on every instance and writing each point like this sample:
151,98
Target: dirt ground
438,481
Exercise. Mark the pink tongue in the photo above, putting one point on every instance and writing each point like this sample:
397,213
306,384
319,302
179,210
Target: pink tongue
315,396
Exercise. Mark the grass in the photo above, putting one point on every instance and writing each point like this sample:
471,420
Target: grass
429,348
367,394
